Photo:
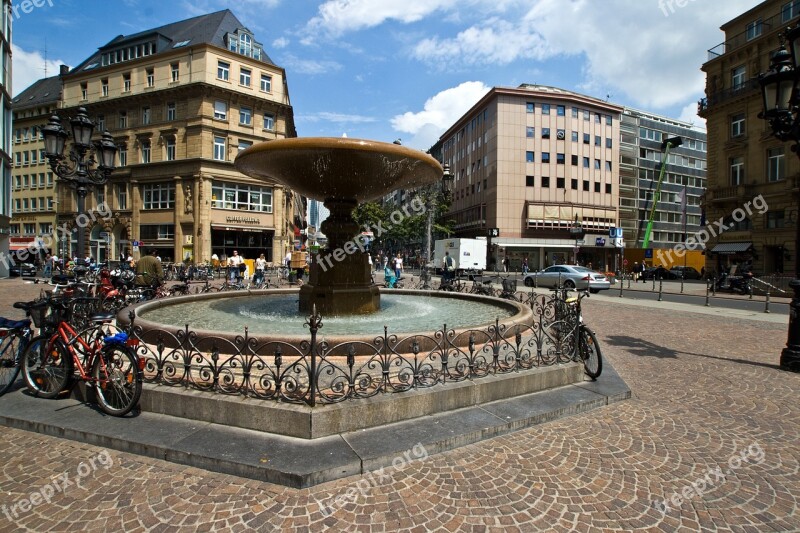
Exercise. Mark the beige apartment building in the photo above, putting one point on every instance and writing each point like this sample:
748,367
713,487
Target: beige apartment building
181,101
33,185
529,160
745,161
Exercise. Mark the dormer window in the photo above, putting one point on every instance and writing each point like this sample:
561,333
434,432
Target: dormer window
242,42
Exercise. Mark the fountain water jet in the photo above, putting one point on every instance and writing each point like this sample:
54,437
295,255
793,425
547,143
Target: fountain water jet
341,172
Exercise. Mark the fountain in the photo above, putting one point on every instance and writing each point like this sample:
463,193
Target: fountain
342,173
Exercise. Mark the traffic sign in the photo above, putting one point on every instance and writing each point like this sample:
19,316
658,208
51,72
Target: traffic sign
494,232
579,241
615,233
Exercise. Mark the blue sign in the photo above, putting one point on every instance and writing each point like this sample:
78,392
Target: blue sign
600,241
648,254
615,233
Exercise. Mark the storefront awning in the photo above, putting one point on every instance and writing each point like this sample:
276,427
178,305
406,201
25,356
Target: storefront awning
730,248
234,227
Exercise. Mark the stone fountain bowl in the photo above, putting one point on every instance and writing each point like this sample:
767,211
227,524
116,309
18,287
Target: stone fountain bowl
342,168
206,340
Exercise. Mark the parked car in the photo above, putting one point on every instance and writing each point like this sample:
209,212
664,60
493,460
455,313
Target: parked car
658,272
22,269
570,277
686,272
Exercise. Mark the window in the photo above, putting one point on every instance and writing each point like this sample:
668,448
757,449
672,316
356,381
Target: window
145,151
737,77
753,30
545,157
596,187
84,90
585,162
104,86
597,118
158,196
157,232
561,110
529,182
586,114
545,133
101,126
608,142
45,228
574,160
245,116
586,138
609,120
28,228
574,184
123,119
219,148
546,182
146,115
151,78
269,121
171,149
266,83
529,132
775,219
608,166
171,111
123,155
775,164
737,170
790,10
574,112
49,179
221,110
560,159
586,185
223,70
545,109
122,195
242,197
597,164
243,145
175,72
126,82
737,125
529,157
574,136
560,183
244,77
597,140
529,107
608,188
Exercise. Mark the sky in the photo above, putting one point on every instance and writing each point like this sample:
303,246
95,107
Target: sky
408,69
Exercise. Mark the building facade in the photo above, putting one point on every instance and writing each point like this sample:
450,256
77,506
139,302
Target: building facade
677,212
181,101
753,178
5,136
530,162
33,186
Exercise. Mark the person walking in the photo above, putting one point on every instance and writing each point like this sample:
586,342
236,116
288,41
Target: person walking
524,266
505,264
261,265
235,262
448,267
149,272
398,265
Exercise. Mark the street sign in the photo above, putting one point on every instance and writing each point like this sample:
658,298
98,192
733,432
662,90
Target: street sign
648,253
575,231
579,241
494,232
599,241
615,233
135,244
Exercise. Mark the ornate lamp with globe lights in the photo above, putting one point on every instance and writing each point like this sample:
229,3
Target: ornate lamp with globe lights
781,97
76,168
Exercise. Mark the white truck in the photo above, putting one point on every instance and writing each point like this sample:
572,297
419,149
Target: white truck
469,254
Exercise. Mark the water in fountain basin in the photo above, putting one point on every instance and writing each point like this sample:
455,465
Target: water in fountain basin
277,314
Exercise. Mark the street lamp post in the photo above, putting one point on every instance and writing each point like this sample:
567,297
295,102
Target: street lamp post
577,232
444,187
781,97
79,174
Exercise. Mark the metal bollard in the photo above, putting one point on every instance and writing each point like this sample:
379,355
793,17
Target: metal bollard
750,290
621,283
660,288
629,280
707,290
681,282
766,302
714,286
654,282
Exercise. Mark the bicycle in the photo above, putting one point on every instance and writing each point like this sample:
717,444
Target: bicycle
15,335
106,363
587,349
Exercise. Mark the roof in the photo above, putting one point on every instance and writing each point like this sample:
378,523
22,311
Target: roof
43,91
208,29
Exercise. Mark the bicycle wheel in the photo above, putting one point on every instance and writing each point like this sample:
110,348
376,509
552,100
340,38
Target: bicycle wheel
9,362
590,353
118,380
46,367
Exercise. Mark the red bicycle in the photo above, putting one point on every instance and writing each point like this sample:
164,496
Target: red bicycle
107,363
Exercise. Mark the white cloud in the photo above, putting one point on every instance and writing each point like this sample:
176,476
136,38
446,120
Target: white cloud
338,118
294,64
439,112
280,42
634,48
29,67
689,114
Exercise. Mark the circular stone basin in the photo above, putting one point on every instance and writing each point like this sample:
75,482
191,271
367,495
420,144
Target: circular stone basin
278,315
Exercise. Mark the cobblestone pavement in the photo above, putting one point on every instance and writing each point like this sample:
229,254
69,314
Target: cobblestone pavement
709,441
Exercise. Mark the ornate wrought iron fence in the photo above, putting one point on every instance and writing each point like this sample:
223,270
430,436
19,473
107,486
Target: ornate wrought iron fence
316,371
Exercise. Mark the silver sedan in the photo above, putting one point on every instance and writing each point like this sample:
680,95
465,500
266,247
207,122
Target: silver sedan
569,277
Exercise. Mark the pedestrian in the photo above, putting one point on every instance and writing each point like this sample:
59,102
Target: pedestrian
524,266
235,262
505,264
261,265
148,271
448,266
398,266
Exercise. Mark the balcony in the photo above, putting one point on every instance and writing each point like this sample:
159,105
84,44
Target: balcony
745,89
725,194
737,41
